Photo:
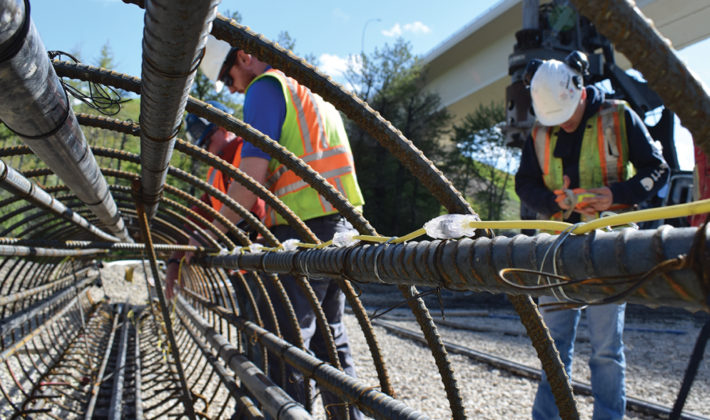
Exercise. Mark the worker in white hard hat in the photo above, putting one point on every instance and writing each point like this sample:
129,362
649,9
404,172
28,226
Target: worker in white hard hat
586,154
313,130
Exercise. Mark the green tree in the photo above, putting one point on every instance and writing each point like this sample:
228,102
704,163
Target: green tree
480,165
390,80
106,59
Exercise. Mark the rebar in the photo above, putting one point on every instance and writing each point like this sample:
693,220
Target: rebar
35,106
175,364
474,264
174,38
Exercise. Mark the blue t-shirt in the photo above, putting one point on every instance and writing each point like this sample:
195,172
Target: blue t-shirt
265,110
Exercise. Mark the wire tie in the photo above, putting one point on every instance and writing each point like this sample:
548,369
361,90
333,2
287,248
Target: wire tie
52,131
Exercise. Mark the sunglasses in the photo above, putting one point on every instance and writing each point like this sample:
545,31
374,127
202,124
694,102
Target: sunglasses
228,63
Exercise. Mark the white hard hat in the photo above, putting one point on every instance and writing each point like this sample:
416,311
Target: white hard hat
216,52
556,90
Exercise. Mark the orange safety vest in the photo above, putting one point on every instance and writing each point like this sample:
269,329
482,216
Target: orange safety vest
221,182
217,179
312,130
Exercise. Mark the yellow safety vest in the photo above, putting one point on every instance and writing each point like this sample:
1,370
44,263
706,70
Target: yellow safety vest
603,158
313,131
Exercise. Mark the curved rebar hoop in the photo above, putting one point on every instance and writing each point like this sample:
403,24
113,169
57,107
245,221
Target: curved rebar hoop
202,109
431,177
47,315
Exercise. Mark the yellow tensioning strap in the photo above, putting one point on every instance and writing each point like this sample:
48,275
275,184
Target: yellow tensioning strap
669,212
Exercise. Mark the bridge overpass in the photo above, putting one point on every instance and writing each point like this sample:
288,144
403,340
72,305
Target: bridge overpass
471,67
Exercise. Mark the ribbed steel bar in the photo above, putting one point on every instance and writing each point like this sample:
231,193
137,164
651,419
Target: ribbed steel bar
34,105
26,293
114,246
193,106
289,160
320,316
372,402
231,228
174,37
52,355
127,83
116,406
469,264
17,184
175,352
89,412
357,110
137,376
651,53
246,408
11,349
25,251
32,314
274,400
203,186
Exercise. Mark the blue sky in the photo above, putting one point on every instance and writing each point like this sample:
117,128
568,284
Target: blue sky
330,30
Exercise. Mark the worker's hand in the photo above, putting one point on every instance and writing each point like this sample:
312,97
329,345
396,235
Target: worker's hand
600,201
171,280
562,196
173,283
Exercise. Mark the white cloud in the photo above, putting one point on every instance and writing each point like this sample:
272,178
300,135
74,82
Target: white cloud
332,65
417,28
335,67
396,30
414,27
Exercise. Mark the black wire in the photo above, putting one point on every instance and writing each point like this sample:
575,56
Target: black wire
436,291
103,99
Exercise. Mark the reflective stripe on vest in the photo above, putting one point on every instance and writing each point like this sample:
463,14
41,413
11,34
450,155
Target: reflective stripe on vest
603,157
313,131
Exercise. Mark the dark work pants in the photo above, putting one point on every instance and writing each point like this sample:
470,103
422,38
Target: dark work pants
332,300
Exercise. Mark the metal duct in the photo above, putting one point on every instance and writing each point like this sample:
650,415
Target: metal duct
174,38
34,105
17,184
468,264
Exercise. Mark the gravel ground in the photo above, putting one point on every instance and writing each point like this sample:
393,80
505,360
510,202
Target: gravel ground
656,364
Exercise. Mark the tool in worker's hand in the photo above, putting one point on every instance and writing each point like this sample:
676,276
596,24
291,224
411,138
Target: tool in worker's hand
572,199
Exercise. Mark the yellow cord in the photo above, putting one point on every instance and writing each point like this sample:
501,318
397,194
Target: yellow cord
668,212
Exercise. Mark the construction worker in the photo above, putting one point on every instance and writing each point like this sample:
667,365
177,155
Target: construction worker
586,154
313,130
226,145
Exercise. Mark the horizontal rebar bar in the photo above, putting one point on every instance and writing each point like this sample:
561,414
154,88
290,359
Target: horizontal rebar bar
245,408
14,321
275,401
26,293
116,406
115,246
10,350
16,183
36,107
469,264
372,402
27,251
174,38
89,412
